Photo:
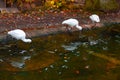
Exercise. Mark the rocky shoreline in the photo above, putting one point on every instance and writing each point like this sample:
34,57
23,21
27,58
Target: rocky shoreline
37,24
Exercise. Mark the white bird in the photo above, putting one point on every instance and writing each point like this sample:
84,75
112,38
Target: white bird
95,18
72,23
19,35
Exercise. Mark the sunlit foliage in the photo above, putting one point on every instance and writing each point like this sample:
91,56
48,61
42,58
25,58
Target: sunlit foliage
48,4
55,4
21,3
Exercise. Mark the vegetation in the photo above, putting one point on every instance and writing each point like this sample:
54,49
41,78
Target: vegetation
110,5
90,5
48,4
104,5
55,4
21,3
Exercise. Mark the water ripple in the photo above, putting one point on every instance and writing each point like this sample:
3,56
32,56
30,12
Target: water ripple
71,46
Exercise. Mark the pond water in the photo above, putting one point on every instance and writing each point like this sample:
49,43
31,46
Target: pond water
91,54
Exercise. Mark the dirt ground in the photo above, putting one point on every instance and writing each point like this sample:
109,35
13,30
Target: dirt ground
38,23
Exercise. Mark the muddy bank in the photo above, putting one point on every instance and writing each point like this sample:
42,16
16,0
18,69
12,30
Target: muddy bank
39,24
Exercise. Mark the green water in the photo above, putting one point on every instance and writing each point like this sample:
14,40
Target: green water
92,54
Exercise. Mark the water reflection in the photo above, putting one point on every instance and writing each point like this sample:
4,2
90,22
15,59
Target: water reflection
14,57
21,62
63,57
72,46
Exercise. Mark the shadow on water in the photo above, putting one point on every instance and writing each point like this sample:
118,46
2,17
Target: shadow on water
93,54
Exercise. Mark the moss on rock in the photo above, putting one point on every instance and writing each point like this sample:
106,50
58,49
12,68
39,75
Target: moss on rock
92,5
104,5
109,5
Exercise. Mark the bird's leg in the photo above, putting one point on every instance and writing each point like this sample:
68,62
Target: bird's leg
70,29
67,28
93,25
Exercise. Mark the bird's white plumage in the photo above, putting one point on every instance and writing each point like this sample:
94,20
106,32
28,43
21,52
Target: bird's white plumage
19,35
94,18
72,23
